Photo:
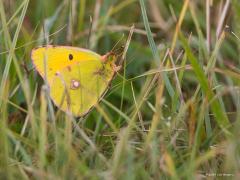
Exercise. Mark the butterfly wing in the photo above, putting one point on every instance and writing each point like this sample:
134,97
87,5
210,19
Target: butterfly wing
50,59
80,86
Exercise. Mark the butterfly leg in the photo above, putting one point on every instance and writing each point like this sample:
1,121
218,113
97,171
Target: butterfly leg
116,68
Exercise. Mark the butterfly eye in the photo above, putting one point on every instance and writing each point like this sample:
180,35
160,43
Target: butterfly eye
70,57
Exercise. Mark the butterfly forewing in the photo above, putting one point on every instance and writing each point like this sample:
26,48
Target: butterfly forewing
49,60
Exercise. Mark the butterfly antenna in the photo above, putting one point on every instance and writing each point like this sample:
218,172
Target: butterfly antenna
124,52
118,51
228,29
90,32
112,50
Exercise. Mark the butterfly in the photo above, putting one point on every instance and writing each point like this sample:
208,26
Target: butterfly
77,78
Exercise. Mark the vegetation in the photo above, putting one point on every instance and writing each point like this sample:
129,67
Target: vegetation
173,112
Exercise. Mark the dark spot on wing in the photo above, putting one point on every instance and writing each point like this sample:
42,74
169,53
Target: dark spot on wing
69,68
70,56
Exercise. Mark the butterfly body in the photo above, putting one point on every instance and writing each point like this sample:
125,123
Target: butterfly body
77,78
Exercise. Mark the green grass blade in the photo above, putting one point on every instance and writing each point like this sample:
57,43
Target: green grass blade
154,49
216,108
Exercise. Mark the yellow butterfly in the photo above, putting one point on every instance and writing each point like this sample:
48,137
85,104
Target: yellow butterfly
78,78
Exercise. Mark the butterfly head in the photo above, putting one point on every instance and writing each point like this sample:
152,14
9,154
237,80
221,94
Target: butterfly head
113,55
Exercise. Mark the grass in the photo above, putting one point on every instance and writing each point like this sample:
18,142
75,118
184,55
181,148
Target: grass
173,112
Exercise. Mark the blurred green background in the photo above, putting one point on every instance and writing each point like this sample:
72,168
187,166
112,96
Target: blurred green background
173,112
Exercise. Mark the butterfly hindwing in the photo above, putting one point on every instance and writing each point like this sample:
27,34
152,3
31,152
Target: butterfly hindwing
80,86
